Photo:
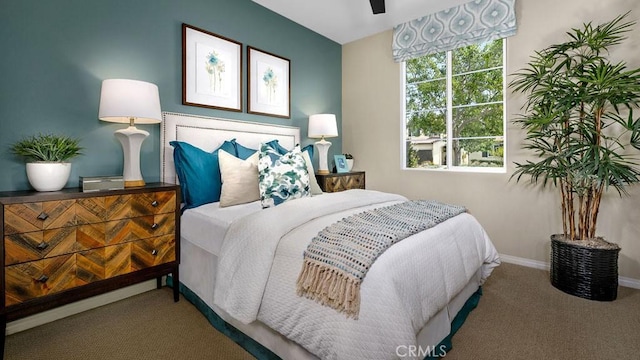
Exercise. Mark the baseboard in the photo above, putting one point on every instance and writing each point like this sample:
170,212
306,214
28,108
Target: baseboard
78,307
622,280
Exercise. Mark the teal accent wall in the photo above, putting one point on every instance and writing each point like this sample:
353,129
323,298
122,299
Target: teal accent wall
55,54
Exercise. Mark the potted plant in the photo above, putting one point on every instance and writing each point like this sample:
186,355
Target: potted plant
47,157
579,121
349,158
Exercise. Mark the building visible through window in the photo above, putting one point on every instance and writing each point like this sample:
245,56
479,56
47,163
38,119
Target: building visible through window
454,109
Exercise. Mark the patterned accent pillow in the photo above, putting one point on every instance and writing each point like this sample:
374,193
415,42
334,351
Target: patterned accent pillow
281,177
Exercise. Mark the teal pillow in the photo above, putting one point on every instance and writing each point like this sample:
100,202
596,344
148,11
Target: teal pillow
281,150
281,177
309,149
198,172
275,145
243,152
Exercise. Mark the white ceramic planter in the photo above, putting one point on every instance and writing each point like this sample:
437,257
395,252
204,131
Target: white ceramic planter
48,176
350,164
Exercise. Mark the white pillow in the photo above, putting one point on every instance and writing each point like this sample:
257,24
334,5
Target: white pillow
239,179
313,182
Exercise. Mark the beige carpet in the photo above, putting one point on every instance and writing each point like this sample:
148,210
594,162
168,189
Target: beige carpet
520,316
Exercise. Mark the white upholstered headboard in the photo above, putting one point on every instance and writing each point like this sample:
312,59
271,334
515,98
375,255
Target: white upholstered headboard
209,133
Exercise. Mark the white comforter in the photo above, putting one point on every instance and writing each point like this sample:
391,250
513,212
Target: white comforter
261,257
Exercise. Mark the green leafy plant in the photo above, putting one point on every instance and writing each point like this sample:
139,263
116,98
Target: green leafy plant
47,147
579,119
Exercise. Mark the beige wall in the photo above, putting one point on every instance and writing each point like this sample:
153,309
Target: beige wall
518,218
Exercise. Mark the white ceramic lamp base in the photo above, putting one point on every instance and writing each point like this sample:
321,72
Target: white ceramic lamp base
131,139
323,148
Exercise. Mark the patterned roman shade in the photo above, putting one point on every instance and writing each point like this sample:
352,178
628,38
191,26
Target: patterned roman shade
471,23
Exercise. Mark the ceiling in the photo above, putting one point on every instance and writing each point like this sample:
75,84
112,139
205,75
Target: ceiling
344,21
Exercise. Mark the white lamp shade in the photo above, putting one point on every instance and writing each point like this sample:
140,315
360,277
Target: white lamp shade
323,125
123,99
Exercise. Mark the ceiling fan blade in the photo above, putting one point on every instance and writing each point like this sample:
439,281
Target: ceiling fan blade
377,6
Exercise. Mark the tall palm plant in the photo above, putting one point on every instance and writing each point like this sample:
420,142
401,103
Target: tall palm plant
579,119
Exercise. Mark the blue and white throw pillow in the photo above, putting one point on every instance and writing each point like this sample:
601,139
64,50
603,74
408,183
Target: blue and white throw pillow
281,177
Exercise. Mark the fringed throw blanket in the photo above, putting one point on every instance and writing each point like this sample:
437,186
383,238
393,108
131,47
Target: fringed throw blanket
338,258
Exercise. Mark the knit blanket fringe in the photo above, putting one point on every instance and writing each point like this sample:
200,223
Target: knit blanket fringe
338,258
329,287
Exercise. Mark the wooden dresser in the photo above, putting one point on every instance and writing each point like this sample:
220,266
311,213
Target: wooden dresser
59,247
335,182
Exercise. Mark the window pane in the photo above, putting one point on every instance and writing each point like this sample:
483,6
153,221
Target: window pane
476,57
477,121
478,152
426,152
427,123
480,120
477,88
426,141
426,68
428,95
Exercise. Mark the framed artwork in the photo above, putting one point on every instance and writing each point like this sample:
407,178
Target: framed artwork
269,84
211,70
341,164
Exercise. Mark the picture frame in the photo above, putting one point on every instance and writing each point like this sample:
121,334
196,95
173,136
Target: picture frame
341,164
268,84
211,70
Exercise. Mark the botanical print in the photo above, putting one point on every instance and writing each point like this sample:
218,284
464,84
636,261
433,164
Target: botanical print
215,67
211,70
211,75
271,82
268,84
269,93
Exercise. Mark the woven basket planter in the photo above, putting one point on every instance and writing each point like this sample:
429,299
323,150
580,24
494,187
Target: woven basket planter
586,272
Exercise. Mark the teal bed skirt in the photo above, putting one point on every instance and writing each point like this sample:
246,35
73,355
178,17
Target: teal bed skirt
262,353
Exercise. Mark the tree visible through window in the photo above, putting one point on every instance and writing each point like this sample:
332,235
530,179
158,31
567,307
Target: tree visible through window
455,108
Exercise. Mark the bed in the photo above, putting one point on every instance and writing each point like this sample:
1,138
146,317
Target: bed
250,286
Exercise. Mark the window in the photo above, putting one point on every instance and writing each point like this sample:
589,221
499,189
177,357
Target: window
454,110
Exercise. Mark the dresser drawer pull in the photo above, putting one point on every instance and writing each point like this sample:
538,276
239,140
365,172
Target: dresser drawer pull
154,203
43,216
154,252
43,245
154,226
43,279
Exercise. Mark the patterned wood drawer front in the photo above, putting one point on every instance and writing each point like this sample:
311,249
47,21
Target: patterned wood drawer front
160,202
90,266
42,277
91,236
131,256
39,244
153,251
117,207
107,208
341,182
139,228
117,260
27,217
39,278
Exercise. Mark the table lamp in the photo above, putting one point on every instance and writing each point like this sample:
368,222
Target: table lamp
322,126
130,102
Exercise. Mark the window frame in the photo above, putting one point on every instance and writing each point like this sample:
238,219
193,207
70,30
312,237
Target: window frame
449,119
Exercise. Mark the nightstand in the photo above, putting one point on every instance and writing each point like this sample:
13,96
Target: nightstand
341,181
62,246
